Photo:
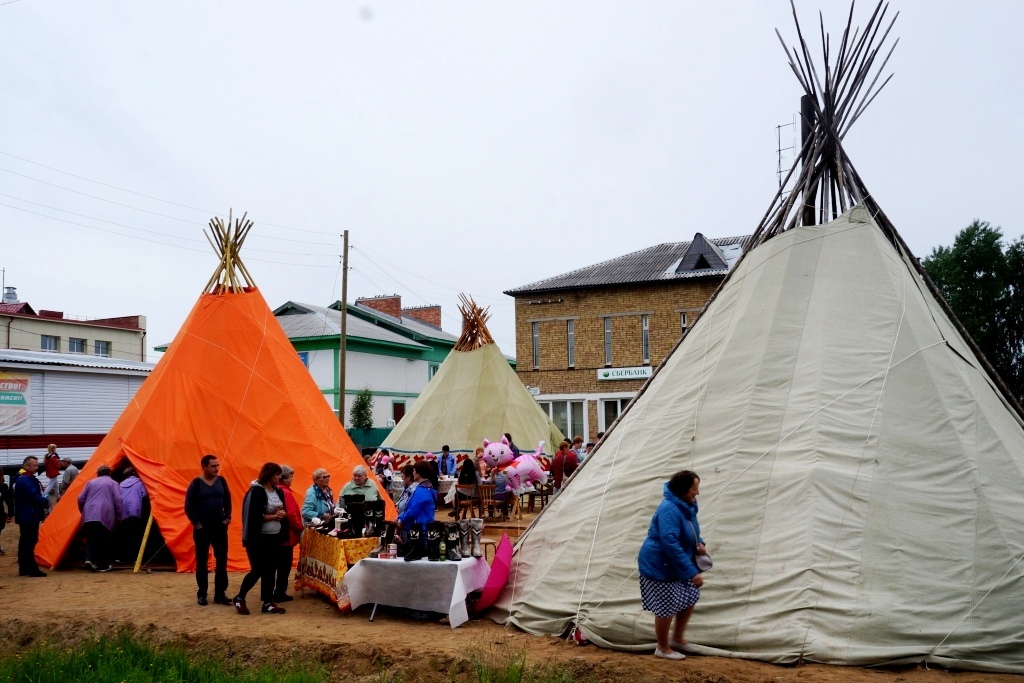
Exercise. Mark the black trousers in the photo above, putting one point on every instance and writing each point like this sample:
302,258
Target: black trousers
27,548
285,555
129,538
98,542
215,535
263,559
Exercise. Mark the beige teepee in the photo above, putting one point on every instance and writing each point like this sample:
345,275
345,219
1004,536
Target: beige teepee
861,467
475,395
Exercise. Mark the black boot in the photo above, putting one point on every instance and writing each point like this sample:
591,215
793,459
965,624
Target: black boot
386,534
413,549
356,507
451,532
378,514
435,533
374,510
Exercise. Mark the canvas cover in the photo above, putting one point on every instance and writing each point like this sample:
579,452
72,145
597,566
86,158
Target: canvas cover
475,395
230,384
861,479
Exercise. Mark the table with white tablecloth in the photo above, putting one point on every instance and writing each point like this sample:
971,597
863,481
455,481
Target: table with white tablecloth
421,585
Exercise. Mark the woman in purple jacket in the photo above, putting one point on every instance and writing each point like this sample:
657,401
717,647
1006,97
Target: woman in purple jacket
100,504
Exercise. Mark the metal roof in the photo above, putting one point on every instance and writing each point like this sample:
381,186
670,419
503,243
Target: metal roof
320,321
80,360
653,264
417,327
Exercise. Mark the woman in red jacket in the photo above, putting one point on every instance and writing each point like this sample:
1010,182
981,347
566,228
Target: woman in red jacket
293,517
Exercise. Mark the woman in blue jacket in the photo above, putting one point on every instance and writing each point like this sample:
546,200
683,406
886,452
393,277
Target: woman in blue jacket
669,579
419,511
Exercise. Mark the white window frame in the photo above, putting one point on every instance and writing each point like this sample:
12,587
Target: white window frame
570,335
432,369
97,348
535,335
54,343
72,343
607,341
683,323
645,337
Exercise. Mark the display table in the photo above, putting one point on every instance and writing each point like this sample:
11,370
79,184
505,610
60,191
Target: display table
422,585
324,562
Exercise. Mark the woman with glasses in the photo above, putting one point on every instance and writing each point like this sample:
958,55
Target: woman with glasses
319,498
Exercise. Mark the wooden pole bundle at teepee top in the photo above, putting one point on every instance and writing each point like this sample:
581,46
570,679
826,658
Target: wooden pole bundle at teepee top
474,325
227,241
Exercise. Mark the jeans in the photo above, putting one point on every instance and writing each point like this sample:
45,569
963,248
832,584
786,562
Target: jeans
213,534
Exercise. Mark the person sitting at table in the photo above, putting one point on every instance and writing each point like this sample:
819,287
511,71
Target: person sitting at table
419,511
360,485
319,500
465,488
478,460
501,488
403,500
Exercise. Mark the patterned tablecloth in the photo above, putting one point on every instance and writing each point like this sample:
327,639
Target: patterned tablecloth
324,561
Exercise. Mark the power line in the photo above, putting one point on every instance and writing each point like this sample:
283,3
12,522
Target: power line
122,189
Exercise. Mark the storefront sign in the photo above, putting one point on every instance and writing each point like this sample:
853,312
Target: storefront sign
14,403
642,372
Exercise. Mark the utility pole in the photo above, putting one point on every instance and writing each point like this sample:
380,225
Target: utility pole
344,326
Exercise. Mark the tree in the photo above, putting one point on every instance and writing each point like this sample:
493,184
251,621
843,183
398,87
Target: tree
984,285
361,415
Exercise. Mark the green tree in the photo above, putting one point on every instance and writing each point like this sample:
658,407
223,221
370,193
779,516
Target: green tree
361,415
983,281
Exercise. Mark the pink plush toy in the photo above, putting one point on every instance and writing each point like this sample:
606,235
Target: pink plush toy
520,471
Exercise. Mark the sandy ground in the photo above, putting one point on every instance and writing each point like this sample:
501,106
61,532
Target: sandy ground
72,604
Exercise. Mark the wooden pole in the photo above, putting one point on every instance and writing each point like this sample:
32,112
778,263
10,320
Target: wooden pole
344,330
142,548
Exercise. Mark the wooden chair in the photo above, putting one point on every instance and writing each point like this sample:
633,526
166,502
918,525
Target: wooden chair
485,498
465,505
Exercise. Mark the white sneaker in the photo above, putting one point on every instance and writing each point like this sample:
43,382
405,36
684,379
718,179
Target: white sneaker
684,647
668,655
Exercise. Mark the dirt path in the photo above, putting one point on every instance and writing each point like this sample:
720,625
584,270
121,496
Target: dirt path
72,604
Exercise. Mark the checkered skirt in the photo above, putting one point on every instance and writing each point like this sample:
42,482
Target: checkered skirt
666,598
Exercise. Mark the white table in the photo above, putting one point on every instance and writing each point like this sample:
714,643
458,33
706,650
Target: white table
423,585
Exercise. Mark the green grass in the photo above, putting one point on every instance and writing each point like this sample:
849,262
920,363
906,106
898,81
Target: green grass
125,659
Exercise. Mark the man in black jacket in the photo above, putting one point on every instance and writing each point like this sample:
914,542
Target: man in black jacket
30,506
208,507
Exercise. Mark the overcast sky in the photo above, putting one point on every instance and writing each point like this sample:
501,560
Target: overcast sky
467,146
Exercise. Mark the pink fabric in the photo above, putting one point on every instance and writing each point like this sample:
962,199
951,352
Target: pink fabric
498,577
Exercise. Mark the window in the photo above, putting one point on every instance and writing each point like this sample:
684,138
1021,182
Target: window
683,323
76,345
397,411
567,416
431,371
645,324
570,334
49,343
613,407
607,341
536,346
103,349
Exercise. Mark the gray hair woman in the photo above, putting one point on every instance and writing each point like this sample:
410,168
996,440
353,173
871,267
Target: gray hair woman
319,501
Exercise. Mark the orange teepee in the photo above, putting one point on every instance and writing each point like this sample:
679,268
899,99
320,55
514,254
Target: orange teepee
230,384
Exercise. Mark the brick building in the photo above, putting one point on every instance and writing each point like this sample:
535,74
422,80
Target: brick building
587,340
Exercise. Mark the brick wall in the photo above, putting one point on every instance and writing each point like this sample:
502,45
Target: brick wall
430,315
662,302
388,305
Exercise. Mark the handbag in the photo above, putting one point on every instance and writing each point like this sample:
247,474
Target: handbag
703,562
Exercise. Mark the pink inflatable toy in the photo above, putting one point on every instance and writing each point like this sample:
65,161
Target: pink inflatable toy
520,471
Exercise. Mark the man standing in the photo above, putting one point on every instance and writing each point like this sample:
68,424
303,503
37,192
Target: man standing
208,507
51,468
101,507
30,507
448,466
70,472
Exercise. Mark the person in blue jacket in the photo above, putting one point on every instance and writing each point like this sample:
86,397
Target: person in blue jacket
30,506
419,511
669,579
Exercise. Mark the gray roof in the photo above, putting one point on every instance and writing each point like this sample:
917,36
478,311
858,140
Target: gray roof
80,360
413,325
654,264
320,321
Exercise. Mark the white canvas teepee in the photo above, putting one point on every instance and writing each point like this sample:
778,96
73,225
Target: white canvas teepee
861,470
474,395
